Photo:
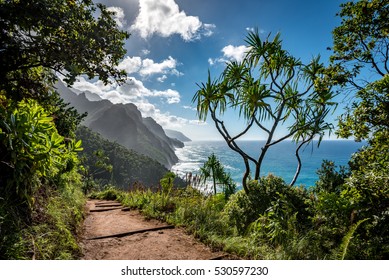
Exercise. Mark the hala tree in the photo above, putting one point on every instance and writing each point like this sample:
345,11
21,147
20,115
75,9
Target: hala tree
214,169
269,89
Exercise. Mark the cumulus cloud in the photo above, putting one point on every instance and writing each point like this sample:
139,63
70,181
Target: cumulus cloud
235,53
230,53
118,16
147,67
135,92
130,64
164,18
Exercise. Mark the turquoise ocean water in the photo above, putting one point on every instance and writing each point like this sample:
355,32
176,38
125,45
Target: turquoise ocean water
280,159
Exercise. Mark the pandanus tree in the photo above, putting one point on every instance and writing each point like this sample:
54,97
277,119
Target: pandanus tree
274,93
214,169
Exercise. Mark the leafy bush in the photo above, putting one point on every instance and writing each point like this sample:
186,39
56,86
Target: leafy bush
243,209
330,179
31,149
41,203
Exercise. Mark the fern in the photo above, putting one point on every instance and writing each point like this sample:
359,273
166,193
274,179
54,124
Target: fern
347,239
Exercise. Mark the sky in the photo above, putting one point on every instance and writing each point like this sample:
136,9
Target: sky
174,43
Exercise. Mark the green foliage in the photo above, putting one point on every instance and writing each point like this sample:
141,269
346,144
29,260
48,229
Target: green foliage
361,39
31,148
167,182
347,239
51,232
268,88
109,193
361,45
214,168
35,161
330,179
54,234
266,197
40,198
128,167
45,36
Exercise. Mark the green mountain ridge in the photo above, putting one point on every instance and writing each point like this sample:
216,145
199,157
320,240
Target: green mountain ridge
128,167
124,124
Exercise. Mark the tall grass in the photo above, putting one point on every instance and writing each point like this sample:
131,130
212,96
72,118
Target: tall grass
51,232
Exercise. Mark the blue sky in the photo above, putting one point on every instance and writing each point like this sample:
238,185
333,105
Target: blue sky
173,43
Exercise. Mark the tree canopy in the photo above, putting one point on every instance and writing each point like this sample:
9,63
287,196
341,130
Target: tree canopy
360,66
270,88
41,37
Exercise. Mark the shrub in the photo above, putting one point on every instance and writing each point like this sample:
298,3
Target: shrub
243,209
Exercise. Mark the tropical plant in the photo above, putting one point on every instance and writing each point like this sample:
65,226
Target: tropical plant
40,198
213,168
330,179
270,196
360,66
269,88
31,148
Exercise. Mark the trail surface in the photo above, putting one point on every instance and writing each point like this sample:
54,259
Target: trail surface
152,244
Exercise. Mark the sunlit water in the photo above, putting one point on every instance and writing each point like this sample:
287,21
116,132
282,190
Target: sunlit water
280,159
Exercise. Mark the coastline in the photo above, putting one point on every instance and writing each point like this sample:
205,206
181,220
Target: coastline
279,161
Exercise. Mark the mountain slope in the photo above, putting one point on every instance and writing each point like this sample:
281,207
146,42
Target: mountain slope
177,135
124,124
128,166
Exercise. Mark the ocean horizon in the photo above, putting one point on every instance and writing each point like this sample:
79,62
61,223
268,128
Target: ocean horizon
279,160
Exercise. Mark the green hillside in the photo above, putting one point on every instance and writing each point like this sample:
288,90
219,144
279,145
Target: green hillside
128,167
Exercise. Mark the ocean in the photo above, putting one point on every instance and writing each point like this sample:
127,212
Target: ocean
280,159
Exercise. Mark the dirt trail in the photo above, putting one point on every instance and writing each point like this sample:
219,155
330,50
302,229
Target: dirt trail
164,244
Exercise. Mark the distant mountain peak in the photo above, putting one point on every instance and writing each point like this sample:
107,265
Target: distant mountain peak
177,135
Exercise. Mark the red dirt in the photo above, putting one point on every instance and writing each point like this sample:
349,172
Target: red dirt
166,244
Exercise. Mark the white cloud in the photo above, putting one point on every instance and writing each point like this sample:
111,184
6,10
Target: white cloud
235,53
147,67
164,18
145,52
252,29
189,108
172,96
230,53
118,16
208,29
135,92
131,64
162,78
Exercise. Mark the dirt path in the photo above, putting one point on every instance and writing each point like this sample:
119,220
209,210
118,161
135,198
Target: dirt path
163,244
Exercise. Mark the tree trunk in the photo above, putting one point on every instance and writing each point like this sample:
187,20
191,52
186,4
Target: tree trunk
297,173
